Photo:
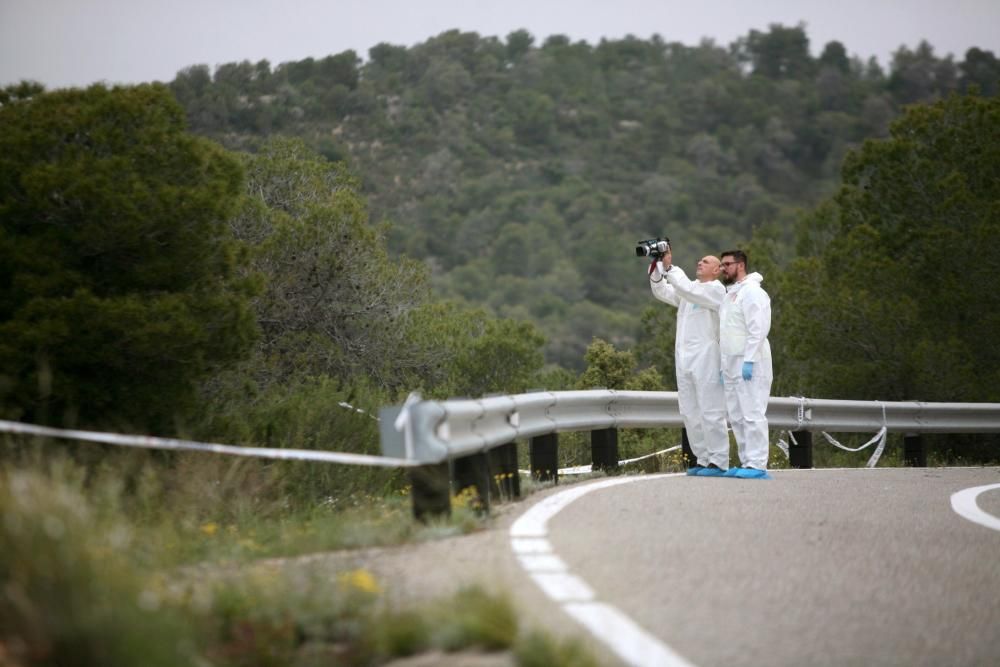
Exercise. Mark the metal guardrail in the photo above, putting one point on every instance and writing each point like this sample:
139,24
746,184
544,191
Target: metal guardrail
431,432
839,416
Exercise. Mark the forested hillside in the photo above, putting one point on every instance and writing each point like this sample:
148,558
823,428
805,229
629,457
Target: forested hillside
523,172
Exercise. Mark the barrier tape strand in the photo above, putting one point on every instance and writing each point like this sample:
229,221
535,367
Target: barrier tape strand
151,442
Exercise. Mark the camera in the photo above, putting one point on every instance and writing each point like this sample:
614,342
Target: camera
654,248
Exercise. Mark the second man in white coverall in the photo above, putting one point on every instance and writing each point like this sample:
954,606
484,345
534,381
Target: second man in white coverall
744,322
700,396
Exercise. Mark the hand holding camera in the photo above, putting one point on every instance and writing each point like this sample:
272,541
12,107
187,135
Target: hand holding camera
654,248
659,250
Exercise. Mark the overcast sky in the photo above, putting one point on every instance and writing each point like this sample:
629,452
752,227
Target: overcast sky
77,42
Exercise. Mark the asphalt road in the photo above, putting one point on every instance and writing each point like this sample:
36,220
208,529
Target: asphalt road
821,567
814,567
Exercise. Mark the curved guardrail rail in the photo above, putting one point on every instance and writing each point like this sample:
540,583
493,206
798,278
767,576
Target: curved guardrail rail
435,431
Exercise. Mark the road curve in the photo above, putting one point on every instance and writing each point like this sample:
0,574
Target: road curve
818,567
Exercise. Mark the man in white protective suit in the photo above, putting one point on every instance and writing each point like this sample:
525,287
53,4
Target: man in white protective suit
700,395
744,322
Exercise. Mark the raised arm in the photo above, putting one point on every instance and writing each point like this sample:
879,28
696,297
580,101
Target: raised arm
662,290
708,295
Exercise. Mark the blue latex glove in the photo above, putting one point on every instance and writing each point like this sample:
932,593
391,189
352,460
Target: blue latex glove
748,370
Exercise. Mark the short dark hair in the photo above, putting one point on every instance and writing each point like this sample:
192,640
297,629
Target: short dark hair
739,256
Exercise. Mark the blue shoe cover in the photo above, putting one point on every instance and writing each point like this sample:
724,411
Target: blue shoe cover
731,472
711,472
747,473
694,470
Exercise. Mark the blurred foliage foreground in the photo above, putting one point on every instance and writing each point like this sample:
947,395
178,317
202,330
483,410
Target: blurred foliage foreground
90,572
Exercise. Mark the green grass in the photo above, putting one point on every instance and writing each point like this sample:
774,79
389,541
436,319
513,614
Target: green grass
135,558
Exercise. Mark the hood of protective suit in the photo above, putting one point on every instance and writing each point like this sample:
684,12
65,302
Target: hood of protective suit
751,278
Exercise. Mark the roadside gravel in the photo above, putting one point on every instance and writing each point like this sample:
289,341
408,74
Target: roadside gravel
411,574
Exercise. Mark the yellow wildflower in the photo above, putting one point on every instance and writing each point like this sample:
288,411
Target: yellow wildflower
361,579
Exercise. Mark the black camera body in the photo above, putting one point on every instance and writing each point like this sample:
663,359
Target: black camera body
655,248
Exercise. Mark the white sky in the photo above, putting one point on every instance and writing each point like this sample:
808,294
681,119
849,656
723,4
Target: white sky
77,42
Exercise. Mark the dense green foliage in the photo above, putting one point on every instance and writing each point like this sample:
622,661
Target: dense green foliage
117,283
140,263
342,324
522,173
337,304
891,296
334,303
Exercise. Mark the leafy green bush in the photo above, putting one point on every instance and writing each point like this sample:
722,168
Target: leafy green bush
70,595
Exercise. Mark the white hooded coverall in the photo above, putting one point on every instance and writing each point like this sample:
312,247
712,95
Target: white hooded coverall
745,320
700,397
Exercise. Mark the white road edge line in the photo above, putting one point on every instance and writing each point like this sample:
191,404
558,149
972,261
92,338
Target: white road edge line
621,634
964,503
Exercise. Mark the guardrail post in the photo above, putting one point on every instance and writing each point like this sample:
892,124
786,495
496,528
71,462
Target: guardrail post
543,450
506,481
430,492
473,471
800,450
604,449
690,460
914,450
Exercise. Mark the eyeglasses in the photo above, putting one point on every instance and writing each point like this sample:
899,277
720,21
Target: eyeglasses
726,264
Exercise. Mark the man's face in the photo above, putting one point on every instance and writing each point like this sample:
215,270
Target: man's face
730,269
709,268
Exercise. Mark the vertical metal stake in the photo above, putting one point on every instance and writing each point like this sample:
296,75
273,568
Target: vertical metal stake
506,480
914,450
604,449
543,450
429,489
515,471
800,452
473,472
